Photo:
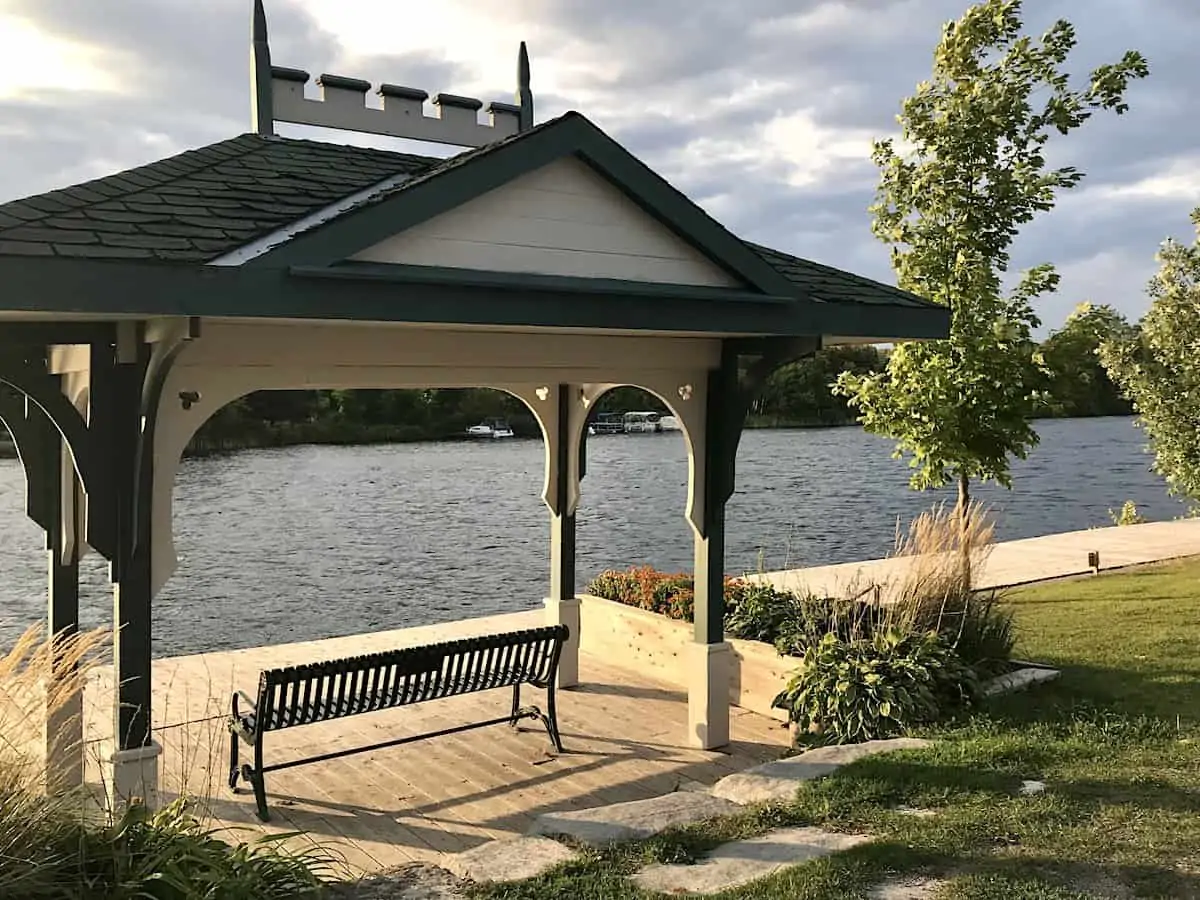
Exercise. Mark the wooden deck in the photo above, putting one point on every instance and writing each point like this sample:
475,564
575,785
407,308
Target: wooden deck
623,736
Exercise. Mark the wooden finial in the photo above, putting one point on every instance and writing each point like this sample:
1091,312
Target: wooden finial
524,93
262,118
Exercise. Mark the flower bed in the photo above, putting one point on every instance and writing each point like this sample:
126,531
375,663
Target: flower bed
936,643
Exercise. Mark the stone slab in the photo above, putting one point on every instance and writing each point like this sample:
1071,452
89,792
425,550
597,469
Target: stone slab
777,781
511,859
907,889
740,862
416,881
633,820
1019,680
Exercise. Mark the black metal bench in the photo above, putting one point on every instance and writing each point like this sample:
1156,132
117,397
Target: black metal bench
320,692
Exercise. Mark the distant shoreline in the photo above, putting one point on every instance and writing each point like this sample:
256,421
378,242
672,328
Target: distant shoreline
295,437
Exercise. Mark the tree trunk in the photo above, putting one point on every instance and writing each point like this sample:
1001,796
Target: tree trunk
964,527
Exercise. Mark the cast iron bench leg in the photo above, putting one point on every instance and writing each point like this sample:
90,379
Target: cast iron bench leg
234,767
258,781
552,718
516,707
234,738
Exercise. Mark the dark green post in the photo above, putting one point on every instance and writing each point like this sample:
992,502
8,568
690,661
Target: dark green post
64,722
562,606
117,382
724,415
562,522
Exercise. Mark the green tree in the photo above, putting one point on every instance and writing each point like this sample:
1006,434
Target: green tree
950,209
1158,366
801,393
1079,385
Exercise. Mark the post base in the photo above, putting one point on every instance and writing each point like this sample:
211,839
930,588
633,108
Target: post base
566,612
708,668
131,776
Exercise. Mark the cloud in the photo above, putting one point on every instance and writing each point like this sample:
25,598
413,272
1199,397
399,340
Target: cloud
763,111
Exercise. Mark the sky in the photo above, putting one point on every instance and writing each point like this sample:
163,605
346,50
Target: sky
762,111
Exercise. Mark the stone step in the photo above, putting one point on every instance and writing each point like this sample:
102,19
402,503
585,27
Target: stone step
777,782
633,820
908,888
508,859
1019,680
413,881
740,862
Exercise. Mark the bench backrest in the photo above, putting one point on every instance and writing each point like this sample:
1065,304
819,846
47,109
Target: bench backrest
317,692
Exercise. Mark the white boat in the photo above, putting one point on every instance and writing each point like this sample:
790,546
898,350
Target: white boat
494,428
642,423
608,423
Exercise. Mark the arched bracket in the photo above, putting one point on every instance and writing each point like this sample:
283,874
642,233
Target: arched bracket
37,442
25,373
746,364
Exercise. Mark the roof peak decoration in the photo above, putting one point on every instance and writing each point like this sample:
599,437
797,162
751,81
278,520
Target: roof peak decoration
277,95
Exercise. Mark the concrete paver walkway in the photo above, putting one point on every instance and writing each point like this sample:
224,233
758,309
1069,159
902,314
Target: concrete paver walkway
1019,562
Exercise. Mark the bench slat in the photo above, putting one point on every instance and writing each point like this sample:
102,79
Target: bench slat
317,692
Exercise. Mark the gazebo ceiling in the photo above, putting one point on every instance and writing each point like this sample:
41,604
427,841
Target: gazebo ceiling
274,227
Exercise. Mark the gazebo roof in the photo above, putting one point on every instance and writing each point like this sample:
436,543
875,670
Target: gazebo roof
202,204
264,226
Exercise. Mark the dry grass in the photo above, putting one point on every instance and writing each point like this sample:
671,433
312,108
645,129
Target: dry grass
59,841
41,710
938,557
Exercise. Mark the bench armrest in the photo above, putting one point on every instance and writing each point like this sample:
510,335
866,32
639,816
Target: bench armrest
246,723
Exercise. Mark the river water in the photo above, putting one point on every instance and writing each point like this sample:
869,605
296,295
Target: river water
309,542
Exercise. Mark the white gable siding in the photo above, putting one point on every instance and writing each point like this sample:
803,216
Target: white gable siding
562,219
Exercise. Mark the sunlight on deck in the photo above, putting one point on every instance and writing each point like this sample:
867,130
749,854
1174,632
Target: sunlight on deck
623,735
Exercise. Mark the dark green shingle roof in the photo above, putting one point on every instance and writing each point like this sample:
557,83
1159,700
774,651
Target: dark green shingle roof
832,285
202,204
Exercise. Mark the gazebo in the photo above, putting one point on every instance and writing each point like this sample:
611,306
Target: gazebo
544,260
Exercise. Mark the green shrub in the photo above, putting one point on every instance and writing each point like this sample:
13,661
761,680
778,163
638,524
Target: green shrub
846,691
1127,515
165,855
758,612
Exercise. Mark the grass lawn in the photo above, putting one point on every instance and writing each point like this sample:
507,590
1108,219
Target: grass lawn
1116,740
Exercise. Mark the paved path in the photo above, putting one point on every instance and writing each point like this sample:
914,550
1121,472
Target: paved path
1021,562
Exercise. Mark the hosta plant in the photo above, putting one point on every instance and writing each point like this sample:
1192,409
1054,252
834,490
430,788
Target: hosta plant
848,691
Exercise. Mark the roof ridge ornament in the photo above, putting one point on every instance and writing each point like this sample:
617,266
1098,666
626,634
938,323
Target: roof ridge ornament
277,95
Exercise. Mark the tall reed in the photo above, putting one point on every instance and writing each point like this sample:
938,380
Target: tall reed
57,841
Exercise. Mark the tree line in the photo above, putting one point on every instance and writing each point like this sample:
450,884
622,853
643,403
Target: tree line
276,418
